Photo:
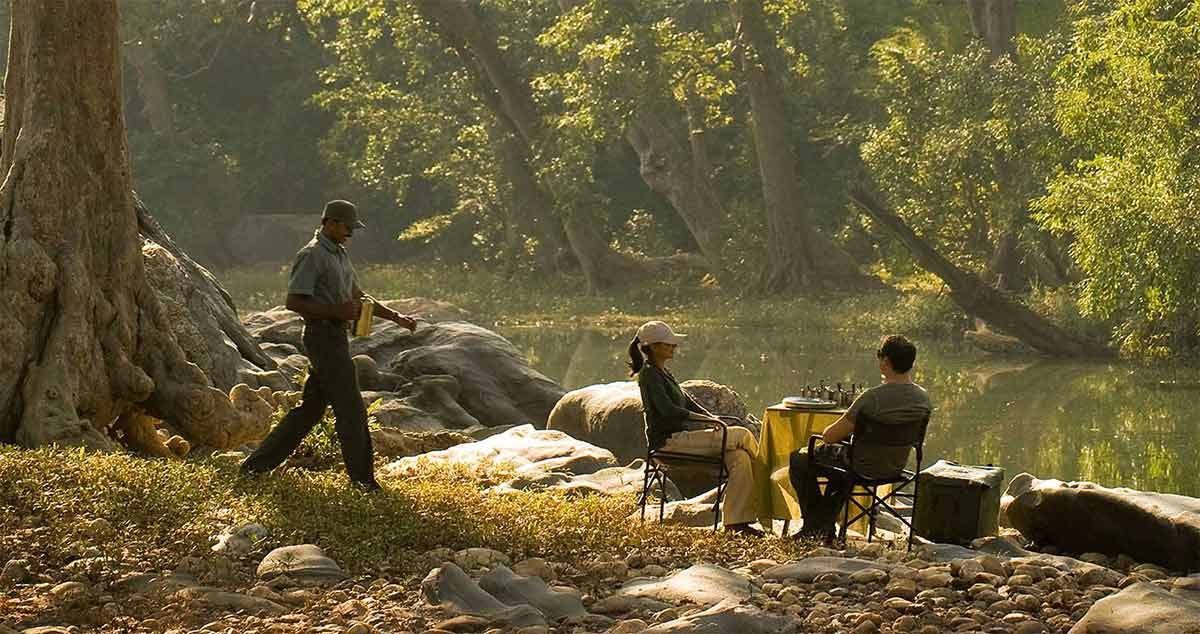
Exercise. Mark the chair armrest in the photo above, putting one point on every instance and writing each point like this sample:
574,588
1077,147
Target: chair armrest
812,442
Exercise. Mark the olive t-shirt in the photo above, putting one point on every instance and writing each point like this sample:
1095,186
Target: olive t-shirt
889,403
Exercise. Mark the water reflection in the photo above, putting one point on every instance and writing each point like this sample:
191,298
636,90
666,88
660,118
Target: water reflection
1111,424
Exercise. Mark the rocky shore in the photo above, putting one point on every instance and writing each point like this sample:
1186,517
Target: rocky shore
865,589
459,396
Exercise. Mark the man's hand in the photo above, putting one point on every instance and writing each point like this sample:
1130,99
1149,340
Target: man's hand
404,321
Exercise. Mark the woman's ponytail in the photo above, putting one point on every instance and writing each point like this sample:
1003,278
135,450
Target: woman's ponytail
636,360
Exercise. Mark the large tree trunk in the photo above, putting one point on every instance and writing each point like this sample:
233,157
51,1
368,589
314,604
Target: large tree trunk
977,297
87,346
797,256
995,23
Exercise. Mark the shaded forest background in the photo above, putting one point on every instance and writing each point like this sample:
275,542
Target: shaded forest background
1049,147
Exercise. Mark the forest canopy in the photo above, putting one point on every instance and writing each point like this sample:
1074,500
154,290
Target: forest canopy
1048,147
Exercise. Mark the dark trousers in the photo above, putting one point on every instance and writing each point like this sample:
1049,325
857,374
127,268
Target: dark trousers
331,381
819,510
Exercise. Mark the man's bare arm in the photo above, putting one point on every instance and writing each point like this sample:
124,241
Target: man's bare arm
840,430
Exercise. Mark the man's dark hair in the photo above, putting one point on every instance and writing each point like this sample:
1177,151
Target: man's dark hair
899,350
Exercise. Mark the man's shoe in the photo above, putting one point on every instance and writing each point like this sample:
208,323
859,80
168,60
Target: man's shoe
744,529
368,486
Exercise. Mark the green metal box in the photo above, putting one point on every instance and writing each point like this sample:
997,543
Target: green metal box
957,503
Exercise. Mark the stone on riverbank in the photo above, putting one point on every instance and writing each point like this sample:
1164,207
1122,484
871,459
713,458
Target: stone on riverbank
450,588
304,562
527,449
1143,608
1084,517
610,415
806,570
702,584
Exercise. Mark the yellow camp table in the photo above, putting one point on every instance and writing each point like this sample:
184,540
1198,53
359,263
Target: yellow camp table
785,430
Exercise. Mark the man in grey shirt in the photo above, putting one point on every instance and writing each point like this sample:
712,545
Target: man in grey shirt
896,401
324,290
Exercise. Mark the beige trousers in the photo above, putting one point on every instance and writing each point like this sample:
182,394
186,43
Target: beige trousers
740,505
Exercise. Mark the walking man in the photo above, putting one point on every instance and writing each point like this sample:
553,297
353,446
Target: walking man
323,289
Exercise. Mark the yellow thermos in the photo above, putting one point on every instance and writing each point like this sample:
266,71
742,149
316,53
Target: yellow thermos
362,325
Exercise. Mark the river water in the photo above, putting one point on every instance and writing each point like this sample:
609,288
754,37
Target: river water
1112,424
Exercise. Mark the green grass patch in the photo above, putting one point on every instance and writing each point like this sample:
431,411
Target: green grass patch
163,511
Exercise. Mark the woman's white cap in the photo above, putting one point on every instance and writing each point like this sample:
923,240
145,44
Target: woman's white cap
658,332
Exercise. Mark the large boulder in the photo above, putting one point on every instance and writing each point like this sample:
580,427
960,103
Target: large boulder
449,588
530,451
703,584
610,415
725,617
1084,517
279,325
1143,608
609,481
202,315
425,404
497,384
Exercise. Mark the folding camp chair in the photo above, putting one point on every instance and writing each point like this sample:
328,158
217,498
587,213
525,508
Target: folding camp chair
875,433
659,461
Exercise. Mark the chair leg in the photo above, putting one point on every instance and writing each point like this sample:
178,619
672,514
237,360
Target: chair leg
846,517
871,515
662,497
912,527
721,484
647,479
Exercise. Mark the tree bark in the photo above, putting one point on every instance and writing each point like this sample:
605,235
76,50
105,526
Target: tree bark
797,256
977,297
531,209
667,167
86,342
995,23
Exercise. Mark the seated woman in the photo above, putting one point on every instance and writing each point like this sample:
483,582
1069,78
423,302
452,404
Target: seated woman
676,422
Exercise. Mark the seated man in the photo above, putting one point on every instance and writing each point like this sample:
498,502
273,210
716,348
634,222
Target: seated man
896,401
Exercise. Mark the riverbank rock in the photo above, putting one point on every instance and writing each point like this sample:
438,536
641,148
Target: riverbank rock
530,451
696,512
1084,517
425,404
394,443
498,386
513,589
279,325
452,589
610,415
808,569
609,481
1142,608
727,617
305,562
703,584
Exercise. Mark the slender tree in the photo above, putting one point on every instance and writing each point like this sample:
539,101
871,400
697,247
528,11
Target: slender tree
798,257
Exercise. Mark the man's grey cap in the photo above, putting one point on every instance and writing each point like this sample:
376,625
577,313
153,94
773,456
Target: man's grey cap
343,211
